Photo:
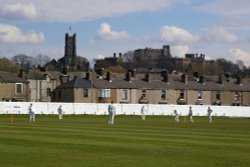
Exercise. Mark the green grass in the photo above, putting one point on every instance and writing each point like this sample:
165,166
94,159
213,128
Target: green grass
78,141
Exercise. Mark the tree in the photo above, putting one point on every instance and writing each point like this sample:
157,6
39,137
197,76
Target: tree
23,61
7,65
40,60
241,65
128,60
116,69
228,66
82,64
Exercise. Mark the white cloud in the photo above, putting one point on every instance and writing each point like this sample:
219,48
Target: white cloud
105,32
227,7
12,34
232,13
238,54
100,56
234,22
79,10
19,11
221,35
179,50
176,35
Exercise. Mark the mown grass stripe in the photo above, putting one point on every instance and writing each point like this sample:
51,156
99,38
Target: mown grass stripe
89,141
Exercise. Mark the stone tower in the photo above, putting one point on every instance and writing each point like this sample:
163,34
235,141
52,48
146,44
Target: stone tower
166,51
70,52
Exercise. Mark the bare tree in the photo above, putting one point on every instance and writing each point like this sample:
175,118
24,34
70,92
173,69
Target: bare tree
241,65
40,60
129,60
23,61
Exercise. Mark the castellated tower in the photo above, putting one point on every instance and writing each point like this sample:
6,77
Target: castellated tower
70,52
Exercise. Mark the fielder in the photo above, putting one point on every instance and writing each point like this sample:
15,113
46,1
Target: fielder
60,112
176,118
190,114
209,114
31,114
111,110
143,113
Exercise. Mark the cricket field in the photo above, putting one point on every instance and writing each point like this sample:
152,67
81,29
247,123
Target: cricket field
87,140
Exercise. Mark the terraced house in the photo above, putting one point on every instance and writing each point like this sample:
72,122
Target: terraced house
155,89
13,88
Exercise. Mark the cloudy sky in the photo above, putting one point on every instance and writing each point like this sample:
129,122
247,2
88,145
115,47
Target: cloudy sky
216,28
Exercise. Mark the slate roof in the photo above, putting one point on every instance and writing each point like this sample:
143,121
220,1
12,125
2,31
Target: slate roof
39,75
157,82
6,77
76,83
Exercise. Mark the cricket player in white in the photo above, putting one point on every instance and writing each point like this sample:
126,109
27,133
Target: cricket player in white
176,118
209,114
111,110
143,112
190,114
31,114
60,112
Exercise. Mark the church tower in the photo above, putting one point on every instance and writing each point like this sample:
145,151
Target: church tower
70,52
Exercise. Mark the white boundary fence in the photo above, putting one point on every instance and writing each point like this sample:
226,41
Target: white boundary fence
121,109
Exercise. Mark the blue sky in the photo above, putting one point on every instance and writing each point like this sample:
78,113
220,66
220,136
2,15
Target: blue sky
216,28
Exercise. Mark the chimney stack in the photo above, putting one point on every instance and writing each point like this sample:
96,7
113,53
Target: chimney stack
164,74
201,79
129,77
64,79
184,78
108,76
21,73
196,75
165,78
147,77
220,79
238,79
89,76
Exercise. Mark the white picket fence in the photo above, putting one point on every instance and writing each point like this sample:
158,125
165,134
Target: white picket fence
121,109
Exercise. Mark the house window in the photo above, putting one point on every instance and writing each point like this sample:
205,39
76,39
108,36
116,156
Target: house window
182,94
218,95
85,92
19,88
124,94
104,93
199,95
163,94
236,96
